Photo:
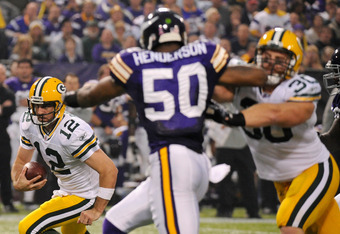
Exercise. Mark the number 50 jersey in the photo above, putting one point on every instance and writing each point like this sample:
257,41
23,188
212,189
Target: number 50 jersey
171,90
64,150
281,154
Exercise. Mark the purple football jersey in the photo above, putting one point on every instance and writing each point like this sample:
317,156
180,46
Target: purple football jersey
171,90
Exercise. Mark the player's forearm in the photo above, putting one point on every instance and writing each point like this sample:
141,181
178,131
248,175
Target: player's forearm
16,170
248,75
100,205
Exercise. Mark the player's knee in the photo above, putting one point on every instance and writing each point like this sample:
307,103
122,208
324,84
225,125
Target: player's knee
109,228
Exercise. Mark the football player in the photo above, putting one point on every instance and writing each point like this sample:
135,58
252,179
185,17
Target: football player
171,84
86,175
278,120
332,84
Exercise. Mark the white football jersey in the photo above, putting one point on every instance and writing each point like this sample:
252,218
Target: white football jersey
281,154
65,149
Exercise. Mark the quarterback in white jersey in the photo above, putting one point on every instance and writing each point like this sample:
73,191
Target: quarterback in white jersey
68,145
278,120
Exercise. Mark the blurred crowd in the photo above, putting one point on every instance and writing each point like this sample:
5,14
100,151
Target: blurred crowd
93,31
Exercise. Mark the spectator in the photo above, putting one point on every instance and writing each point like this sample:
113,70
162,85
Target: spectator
335,26
20,86
53,21
22,48
193,15
223,10
212,15
70,54
294,19
311,59
120,33
134,9
129,41
40,44
87,13
104,7
91,34
209,33
7,108
106,49
234,21
45,7
325,39
299,30
72,83
239,44
269,18
313,33
326,55
72,7
57,44
330,11
116,14
148,7
20,24
249,11
13,69
298,7
249,56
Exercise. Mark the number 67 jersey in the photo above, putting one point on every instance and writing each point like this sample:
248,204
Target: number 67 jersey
171,90
281,154
64,150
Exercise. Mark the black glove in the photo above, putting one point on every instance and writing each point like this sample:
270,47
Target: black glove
218,113
70,99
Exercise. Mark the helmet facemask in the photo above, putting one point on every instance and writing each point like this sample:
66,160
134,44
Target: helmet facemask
285,67
331,80
35,102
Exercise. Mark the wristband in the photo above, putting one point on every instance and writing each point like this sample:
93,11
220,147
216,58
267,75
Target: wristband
105,193
71,99
236,120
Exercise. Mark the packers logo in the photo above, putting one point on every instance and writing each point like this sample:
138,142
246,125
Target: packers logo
61,88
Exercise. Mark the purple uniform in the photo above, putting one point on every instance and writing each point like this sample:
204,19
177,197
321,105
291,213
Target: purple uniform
159,84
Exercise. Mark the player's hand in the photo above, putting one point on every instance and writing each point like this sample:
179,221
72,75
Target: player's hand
219,114
336,106
22,184
87,217
216,112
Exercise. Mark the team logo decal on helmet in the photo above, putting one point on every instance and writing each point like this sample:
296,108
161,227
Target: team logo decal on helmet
61,88
162,26
331,80
46,91
285,41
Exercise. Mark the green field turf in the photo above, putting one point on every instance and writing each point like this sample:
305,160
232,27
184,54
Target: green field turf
209,224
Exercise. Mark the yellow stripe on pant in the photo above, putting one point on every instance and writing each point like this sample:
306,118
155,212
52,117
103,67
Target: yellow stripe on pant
167,191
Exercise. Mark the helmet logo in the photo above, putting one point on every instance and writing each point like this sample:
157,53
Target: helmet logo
61,88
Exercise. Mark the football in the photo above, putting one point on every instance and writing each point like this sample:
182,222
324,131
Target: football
34,169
